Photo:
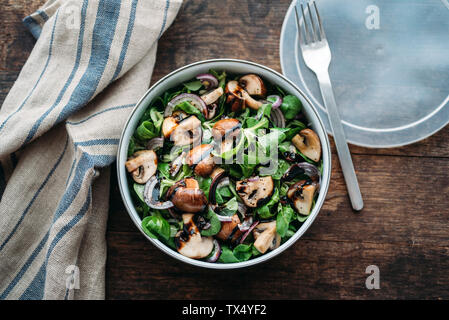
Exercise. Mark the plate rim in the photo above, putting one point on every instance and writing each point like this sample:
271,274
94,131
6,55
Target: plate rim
444,103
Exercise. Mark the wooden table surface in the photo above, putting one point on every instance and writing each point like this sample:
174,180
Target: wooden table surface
404,228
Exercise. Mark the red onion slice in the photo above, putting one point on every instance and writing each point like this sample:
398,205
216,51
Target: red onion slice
275,101
308,169
155,144
217,252
208,80
150,193
278,118
249,231
190,97
214,186
207,226
224,218
211,110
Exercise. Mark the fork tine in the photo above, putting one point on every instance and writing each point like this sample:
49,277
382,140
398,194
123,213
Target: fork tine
322,34
314,34
298,27
304,21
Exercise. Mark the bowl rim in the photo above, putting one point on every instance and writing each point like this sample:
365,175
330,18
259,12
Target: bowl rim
262,258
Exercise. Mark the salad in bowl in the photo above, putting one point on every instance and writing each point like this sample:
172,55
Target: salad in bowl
224,167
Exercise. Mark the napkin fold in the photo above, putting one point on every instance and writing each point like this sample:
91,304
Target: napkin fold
59,130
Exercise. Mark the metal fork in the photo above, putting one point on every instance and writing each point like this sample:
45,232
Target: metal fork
317,56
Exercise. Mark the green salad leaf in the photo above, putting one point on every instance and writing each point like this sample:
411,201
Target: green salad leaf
283,219
189,108
138,189
157,118
230,207
156,226
266,211
164,169
193,85
215,224
242,252
227,256
290,107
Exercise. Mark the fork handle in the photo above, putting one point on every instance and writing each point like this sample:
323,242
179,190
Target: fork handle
340,141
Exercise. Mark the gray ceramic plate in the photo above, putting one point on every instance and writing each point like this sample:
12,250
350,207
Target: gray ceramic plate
392,82
238,67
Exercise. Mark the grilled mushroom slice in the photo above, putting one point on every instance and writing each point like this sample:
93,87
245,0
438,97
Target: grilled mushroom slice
255,191
189,241
230,230
202,159
187,132
239,98
186,196
142,165
308,142
212,96
301,195
170,123
226,128
265,236
234,96
253,84
217,172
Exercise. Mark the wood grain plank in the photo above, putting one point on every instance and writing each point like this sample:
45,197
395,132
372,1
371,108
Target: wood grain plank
16,42
308,270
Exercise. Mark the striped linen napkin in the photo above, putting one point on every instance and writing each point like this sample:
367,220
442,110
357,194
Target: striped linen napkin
59,129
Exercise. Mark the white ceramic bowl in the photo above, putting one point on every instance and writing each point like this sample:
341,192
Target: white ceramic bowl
237,67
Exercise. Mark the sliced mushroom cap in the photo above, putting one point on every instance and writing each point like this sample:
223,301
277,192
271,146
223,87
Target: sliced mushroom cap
176,164
186,196
212,96
142,165
226,128
255,191
308,142
191,183
301,195
254,85
230,229
187,132
276,239
217,171
265,235
239,98
170,123
202,159
234,96
189,241
250,102
276,242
